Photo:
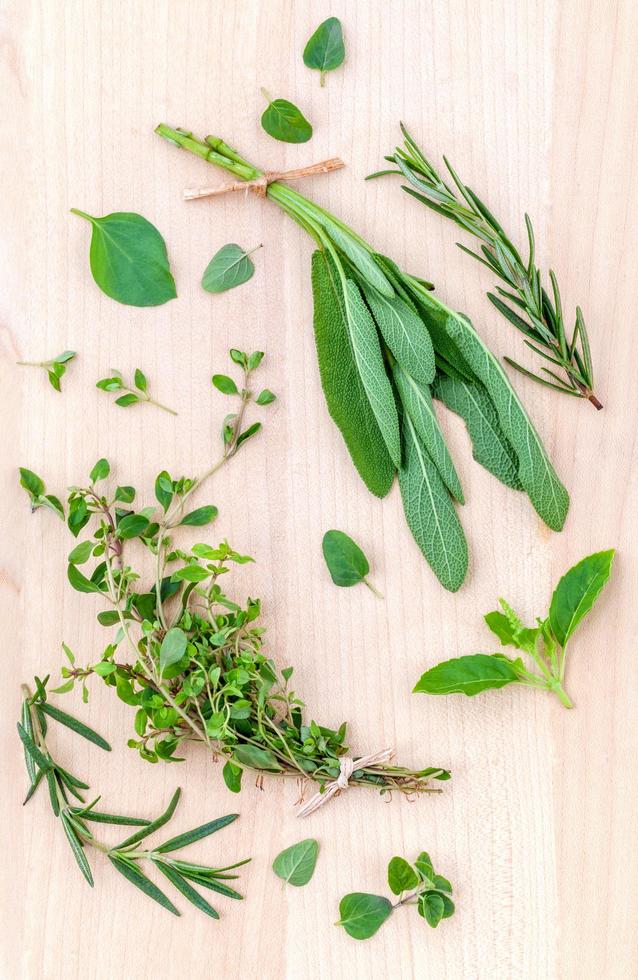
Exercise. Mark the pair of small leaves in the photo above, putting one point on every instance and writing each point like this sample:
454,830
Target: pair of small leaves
296,864
346,561
325,50
284,121
55,368
229,267
573,598
227,386
128,259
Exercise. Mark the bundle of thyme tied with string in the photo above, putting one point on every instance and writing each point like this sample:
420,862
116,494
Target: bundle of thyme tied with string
186,656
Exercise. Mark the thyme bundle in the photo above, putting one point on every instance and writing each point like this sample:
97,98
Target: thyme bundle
385,345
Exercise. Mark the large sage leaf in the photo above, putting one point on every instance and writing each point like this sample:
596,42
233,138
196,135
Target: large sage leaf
325,50
129,260
361,914
490,448
417,402
430,513
343,389
577,592
468,675
405,334
370,365
296,864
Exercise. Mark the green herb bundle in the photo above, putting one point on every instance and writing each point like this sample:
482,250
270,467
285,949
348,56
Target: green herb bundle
186,656
385,345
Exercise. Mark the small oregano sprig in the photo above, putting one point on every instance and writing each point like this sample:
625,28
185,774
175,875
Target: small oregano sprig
361,914
55,368
545,644
35,488
132,395
75,814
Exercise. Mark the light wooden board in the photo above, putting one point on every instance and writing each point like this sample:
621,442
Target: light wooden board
536,103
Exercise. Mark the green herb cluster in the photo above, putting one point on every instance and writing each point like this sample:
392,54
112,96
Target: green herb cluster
385,346
186,656
361,914
66,795
545,644
133,395
525,302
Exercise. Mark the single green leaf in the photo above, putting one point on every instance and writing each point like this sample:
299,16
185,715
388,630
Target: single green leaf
577,592
346,561
490,447
345,395
81,553
132,526
79,581
256,758
362,914
232,777
401,876
97,816
191,836
430,513
325,50
131,872
173,648
187,890
125,400
229,267
129,260
191,573
431,907
405,334
468,675
125,495
284,121
100,471
141,382
201,516
296,864
265,397
163,490
77,726
442,884
31,482
66,355
53,503
501,627
225,384
448,905
417,402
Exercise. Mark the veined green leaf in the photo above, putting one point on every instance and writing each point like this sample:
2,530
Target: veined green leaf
173,648
284,121
468,675
296,864
137,877
325,50
401,876
344,392
417,402
576,593
431,906
430,513
490,447
232,776
405,334
229,267
369,360
362,914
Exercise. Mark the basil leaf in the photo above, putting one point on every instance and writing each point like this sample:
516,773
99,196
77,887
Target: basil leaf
468,675
284,121
577,592
502,627
401,876
173,648
296,864
129,260
325,50
417,402
346,561
431,514
229,267
345,395
362,914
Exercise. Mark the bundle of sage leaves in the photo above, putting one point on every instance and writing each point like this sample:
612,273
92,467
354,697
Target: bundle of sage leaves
385,346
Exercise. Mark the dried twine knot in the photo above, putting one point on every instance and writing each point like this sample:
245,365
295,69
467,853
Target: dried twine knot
259,186
347,766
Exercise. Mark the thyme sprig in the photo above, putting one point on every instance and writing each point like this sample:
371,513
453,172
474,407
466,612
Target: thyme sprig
66,795
537,314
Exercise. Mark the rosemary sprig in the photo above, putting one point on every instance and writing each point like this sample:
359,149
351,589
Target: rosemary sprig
127,856
535,311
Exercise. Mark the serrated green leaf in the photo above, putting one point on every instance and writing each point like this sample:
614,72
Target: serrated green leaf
296,864
577,592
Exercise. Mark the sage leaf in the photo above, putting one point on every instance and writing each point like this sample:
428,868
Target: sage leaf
284,121
468,675
490,447
256,758
173,648
128,259
362,914
346,561
345,395
405,334
417,402
296,864
430,513
401,876
229,267
577,592
369,360
325,50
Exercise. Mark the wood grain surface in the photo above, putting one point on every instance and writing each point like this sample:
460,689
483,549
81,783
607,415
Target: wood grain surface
536,102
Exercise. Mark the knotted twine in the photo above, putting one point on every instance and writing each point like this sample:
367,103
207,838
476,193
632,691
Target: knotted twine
259,186
346,768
